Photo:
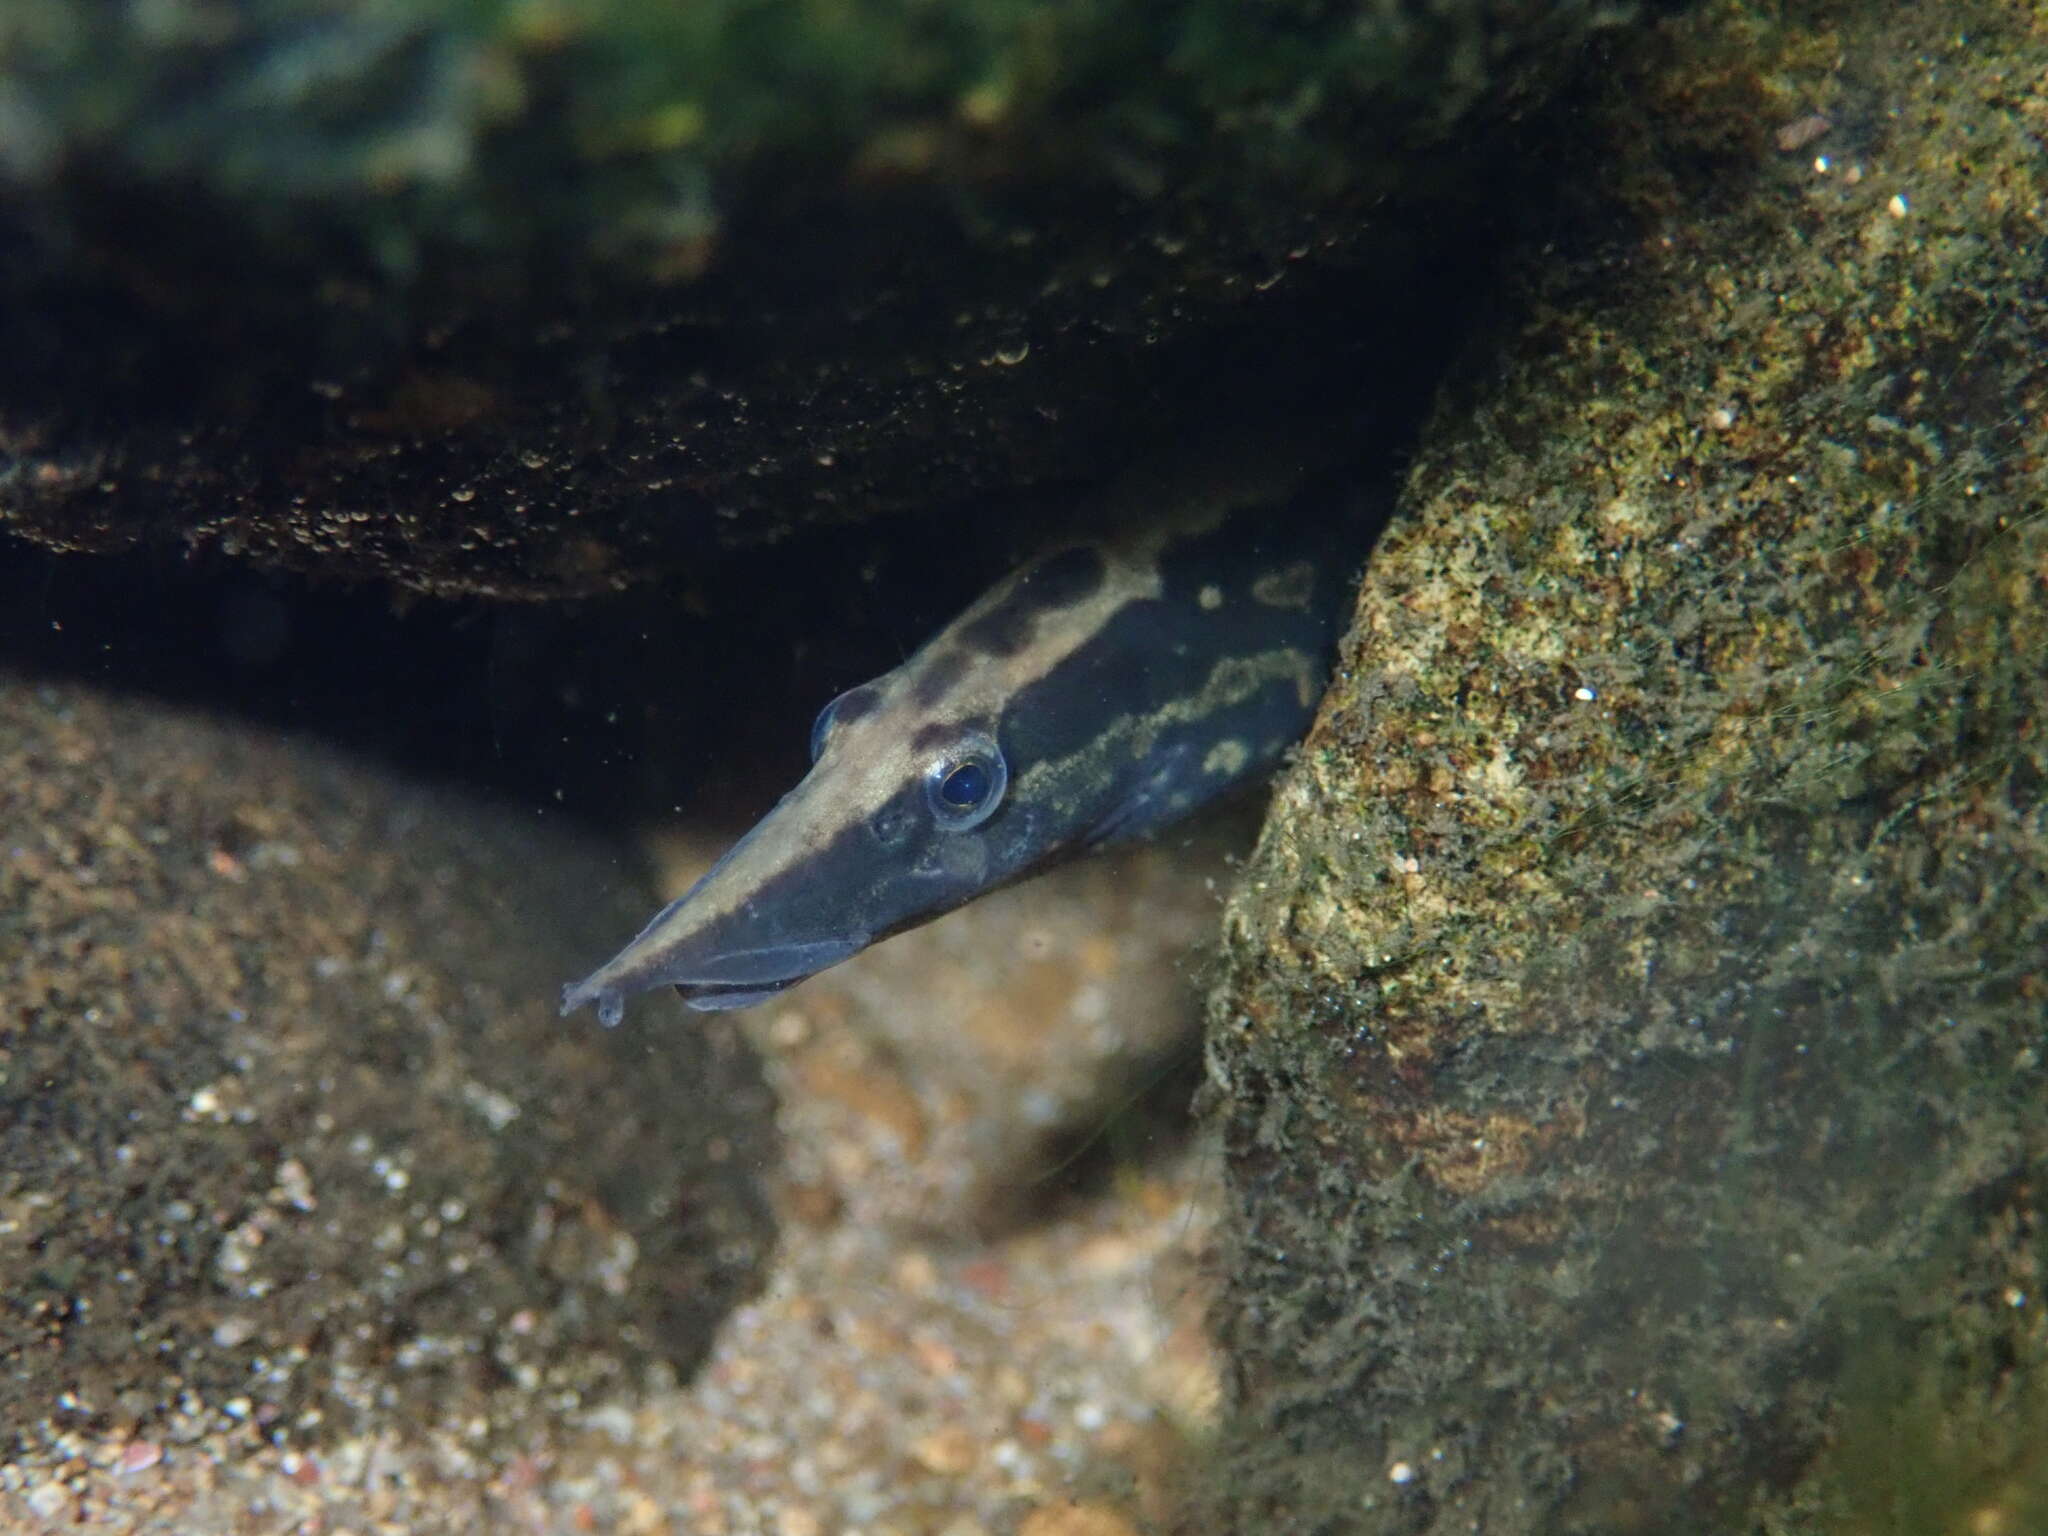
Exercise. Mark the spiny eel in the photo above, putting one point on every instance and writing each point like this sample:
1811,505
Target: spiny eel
1103,690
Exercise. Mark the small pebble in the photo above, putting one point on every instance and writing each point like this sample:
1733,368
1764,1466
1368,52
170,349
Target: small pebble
1802,131
138,1456
947,1452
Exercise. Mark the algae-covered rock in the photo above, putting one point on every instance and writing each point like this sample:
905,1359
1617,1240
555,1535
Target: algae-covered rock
1636,1009
290,1136
534,297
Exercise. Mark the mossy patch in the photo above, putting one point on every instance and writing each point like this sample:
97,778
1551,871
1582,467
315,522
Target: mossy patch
1645,952
1941,1420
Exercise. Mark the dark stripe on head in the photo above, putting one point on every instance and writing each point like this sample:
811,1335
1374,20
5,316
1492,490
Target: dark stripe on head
1113,795
1058,581
1145,655
1175,777
817,899
939,677
934,735
1149,654
873,873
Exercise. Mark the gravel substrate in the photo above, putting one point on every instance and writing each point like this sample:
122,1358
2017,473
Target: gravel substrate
983,1310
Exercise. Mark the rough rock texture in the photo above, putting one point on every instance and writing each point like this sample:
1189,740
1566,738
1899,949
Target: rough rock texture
1636,1005
289,1131
533,299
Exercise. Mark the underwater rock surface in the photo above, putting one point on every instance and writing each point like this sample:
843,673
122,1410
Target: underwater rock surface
290,1136
1636,1005
553,299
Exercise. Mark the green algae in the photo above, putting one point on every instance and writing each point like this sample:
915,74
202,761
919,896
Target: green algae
1942,1423
1644,958
603,118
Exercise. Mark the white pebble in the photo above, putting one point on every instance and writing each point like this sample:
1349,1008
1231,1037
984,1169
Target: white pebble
49,1499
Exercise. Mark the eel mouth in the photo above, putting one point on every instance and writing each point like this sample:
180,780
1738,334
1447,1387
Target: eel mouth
711,982
723,944
708,997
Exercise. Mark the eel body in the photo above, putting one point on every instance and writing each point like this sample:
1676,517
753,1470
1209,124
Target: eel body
1103,690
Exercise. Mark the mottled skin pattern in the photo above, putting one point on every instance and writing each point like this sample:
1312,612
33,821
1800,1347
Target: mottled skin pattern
1099,692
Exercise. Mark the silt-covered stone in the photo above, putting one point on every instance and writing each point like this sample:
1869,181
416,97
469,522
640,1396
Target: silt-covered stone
1636,1006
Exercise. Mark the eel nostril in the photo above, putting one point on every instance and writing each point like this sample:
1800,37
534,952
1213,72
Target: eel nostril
890,825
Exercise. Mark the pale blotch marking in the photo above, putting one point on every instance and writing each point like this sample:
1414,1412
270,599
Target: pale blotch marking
1210,597
1227,757
1292,586
1133,737
1307,687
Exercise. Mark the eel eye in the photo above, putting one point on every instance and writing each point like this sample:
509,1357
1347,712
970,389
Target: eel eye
965,786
